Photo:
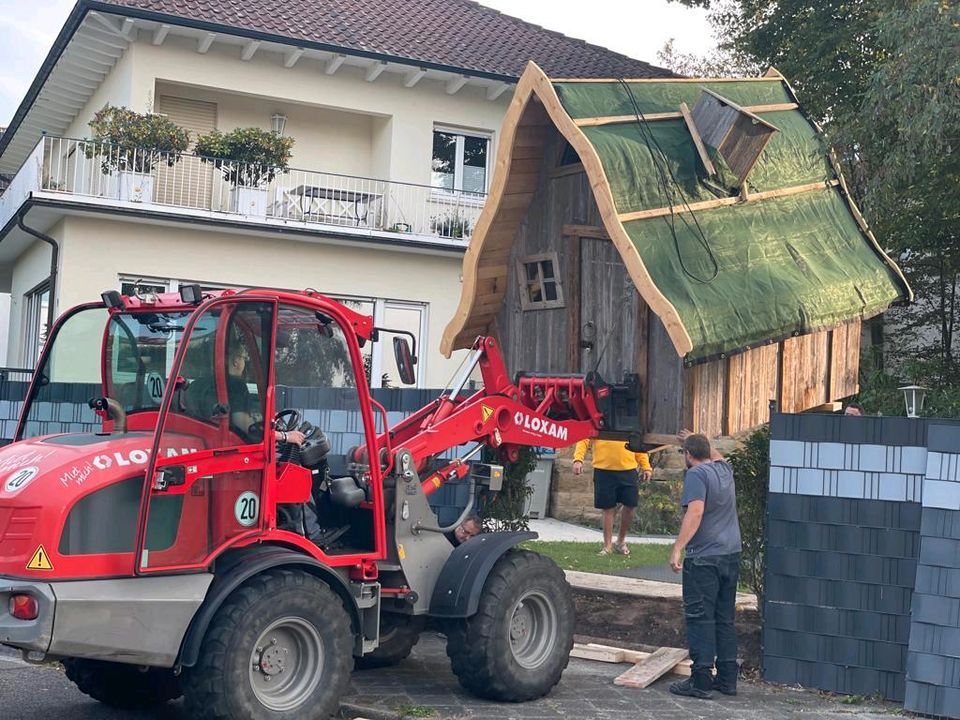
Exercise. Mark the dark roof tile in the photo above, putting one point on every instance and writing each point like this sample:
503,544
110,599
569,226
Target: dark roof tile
457,33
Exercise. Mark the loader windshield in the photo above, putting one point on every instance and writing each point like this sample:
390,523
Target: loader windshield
125,356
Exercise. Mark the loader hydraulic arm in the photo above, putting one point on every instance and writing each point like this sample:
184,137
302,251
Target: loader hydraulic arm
536,410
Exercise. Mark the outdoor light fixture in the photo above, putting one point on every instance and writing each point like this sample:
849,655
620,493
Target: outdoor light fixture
112,299
191,294
279,121
913,396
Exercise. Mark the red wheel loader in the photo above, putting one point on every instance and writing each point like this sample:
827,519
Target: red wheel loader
160,535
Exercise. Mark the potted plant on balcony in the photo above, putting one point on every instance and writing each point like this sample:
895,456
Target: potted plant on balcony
249,158
453,224
132,144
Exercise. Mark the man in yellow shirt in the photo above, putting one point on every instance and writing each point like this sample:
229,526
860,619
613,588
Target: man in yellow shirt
615,480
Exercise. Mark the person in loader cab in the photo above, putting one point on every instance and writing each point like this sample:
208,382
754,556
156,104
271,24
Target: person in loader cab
242,403
616,472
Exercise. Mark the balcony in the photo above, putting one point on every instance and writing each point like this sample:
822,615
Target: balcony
95,173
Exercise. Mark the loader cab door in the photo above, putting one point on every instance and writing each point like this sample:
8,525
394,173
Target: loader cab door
204,485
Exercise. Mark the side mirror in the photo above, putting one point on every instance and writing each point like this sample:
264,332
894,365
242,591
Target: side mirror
405,360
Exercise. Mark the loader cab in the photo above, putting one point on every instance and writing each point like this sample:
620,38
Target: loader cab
186,466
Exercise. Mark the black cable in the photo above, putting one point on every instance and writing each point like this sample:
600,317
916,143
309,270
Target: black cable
663,168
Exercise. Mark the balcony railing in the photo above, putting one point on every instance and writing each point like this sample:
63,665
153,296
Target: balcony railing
194,184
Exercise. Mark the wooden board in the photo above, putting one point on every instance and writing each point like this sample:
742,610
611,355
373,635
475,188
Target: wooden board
705,398
664,390
650,669
751,384
805,370
845,360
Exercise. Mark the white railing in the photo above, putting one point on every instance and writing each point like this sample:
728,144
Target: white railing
294,196
26,181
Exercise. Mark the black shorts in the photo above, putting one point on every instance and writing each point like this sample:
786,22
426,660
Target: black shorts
615,486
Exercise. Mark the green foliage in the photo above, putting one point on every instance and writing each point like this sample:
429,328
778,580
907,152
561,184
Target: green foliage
751,472
133,142
658,512
248,157
583,556
452,225
505,510
880,394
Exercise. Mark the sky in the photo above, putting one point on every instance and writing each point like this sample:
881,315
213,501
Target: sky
638,28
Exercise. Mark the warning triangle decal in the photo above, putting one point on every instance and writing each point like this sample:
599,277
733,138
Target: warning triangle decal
485,412
40,561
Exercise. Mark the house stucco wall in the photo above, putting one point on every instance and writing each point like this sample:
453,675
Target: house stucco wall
201,255
398,121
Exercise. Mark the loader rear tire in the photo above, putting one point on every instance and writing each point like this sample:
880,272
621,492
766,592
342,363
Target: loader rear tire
127,687
280,648
517,645
398,634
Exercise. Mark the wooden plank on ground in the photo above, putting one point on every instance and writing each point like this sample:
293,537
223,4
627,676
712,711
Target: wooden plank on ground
652,668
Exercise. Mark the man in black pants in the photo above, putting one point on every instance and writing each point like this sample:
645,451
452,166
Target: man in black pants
710,533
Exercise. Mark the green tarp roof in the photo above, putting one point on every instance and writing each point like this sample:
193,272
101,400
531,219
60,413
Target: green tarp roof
783,266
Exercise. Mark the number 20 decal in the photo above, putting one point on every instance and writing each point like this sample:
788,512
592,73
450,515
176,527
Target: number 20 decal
247,509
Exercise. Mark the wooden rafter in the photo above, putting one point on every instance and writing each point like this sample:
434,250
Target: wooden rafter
653,117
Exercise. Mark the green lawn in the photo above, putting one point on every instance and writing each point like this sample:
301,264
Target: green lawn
583,556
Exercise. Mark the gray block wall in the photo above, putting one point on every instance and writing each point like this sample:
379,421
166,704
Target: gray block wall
863,553
933,661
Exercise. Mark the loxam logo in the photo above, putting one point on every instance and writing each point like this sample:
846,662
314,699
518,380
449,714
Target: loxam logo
134,457
540,425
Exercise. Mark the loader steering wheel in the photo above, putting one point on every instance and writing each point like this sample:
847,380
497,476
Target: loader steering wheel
287,420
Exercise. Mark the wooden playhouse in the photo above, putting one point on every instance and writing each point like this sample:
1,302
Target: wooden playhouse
694,232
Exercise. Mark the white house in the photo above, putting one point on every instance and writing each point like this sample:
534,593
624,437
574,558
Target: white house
394,106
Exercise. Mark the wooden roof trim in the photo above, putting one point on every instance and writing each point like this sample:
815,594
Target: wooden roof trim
652,117
723,202
697,140
776,78
465,316
603,194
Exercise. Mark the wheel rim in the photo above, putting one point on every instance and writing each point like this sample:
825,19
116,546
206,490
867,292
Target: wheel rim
286,664
533,629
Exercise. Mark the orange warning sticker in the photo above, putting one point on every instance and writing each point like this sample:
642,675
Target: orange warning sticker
485,412
401,553
40,560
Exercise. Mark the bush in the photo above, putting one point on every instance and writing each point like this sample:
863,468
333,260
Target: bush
505,510
880,394
658,512
248,157
129,141
751,472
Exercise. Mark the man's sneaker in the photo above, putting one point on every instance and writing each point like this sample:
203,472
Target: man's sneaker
686,688
724,688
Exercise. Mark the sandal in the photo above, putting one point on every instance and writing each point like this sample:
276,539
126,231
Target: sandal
603,551
622,549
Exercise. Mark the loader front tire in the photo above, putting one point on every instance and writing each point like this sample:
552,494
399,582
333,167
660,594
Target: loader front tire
127,687
517,645
280,648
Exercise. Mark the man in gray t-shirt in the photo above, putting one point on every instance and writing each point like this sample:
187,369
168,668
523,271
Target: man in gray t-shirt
710,534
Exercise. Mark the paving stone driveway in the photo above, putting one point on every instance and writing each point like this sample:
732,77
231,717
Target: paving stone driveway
586,692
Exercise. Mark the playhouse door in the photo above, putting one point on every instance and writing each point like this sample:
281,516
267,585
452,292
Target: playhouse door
609,312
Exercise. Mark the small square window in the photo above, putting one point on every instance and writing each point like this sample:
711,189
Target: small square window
539,282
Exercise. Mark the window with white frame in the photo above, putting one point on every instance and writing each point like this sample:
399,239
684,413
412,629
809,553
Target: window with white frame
36,313
378,359
461,160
